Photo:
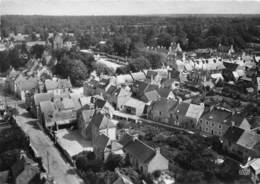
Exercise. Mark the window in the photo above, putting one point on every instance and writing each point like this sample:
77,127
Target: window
212,124
219,126
171,115
207,122
160,113
177,118
206,129
201,121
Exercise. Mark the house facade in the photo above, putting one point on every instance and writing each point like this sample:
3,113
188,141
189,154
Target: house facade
143,157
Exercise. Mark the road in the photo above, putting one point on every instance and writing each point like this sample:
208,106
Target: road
62,172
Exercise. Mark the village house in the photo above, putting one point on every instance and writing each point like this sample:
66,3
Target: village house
214,122
57,42
143,157
187,115
150,96
105,147
10,79
217,121
241,143
139,88
101,124
254,167
57,86
117,96
134,106
84,117
27,86
58,113
162,110
158,75
166,93
95,87
122,179
35,102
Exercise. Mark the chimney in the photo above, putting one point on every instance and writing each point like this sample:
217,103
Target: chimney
157,150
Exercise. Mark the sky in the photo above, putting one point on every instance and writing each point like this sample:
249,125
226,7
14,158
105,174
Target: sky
128,7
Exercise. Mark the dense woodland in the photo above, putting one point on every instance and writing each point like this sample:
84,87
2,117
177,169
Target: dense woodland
125,36
126,32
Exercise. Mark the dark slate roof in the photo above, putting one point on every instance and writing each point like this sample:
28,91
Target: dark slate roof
126,139
164,105
111,90
182,108
40,97
164,92
140,150
217,115
99,103
102,141
236,118
233,134
101,121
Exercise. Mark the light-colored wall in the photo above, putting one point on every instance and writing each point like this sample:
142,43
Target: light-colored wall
158,162
211,127
110,132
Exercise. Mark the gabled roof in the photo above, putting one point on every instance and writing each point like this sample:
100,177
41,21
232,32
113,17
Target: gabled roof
233,134
164,92
87,114
84,100
111,90
68,103
126,139
195,111
151,96
102,141
57,84
164,105
235,119
140,150
182,108
28,84
135,103
101,121
217,115
47,107
40,97
249,140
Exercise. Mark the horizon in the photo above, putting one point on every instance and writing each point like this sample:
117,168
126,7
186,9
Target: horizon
129,7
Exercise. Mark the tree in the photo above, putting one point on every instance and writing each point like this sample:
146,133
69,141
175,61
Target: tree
164,39
73,68
37,50
113,161
139,64
8,158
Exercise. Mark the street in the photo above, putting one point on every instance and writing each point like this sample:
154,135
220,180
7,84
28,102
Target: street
62,172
